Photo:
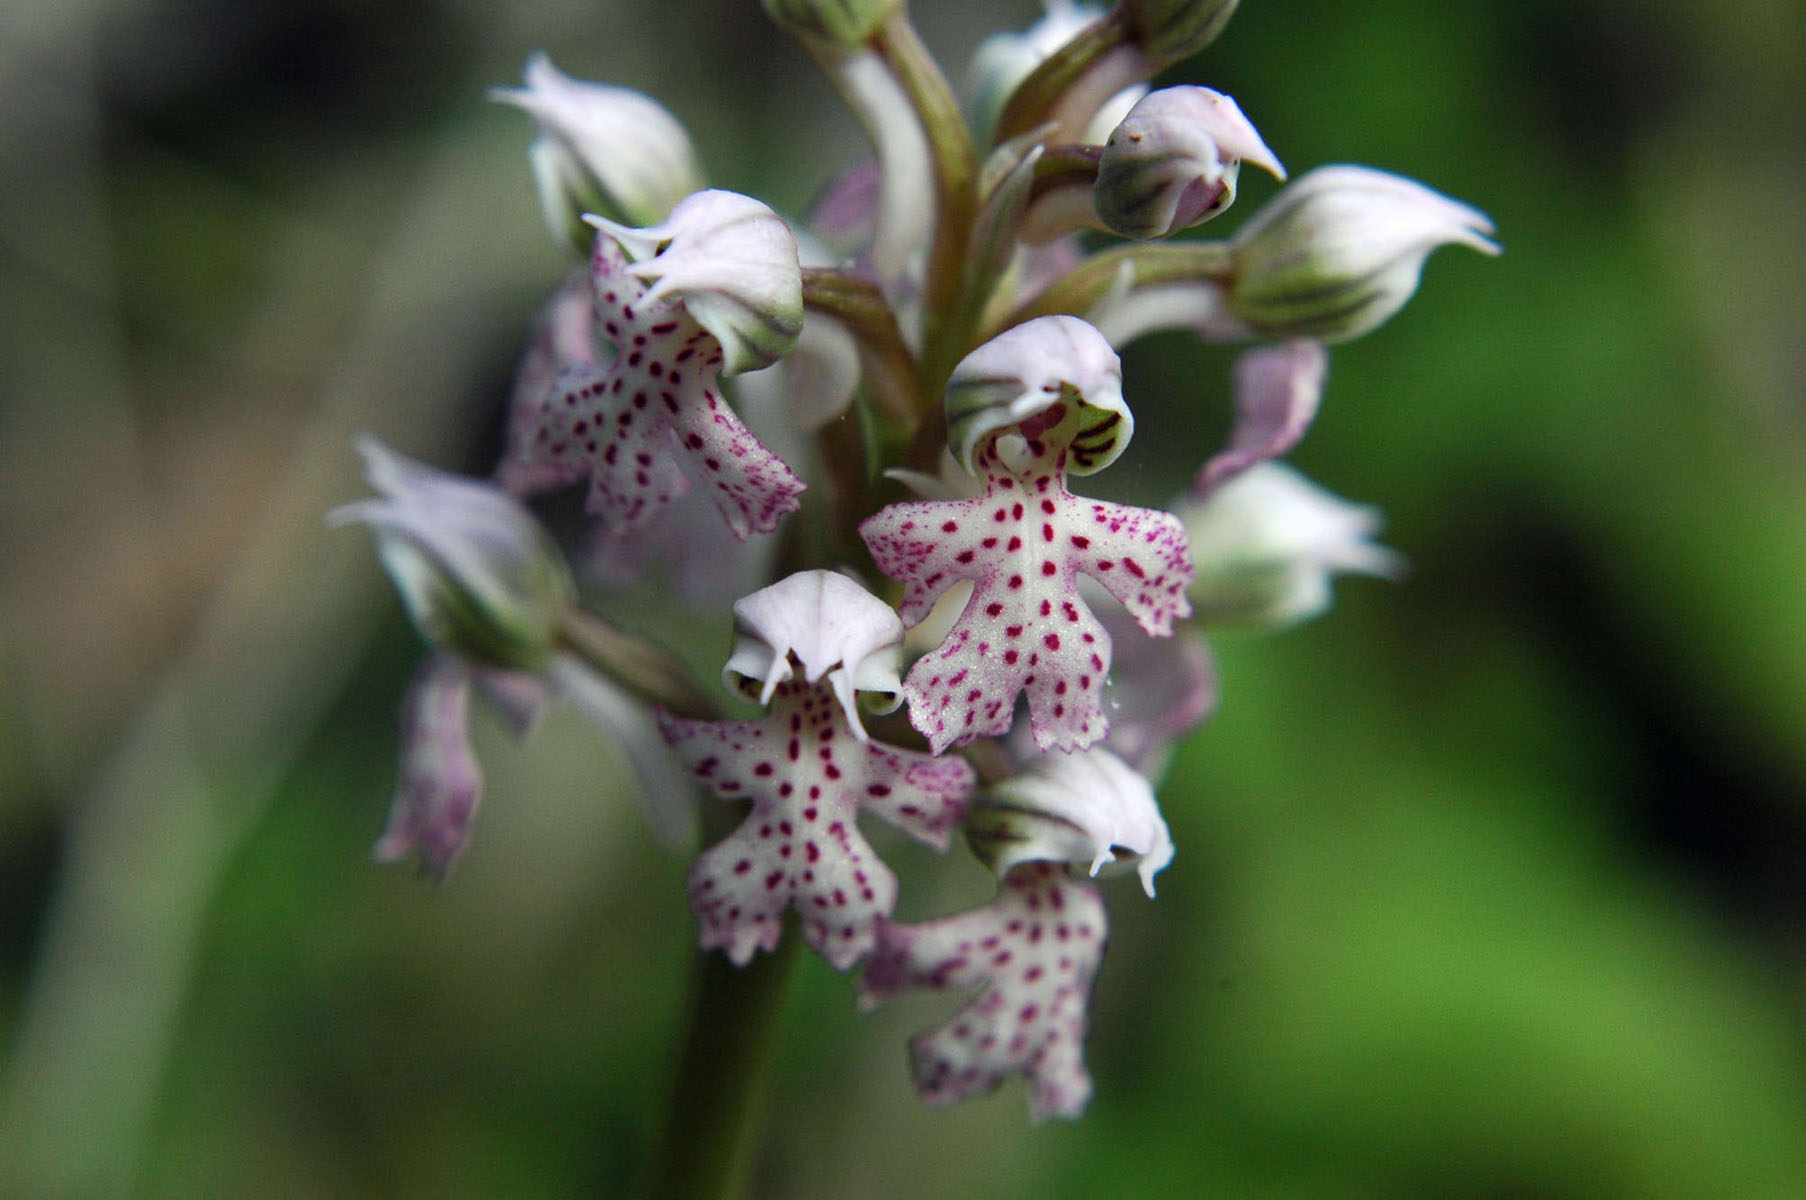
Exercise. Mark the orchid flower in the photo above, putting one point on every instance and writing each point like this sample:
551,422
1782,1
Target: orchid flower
1033,955
810,643
1173,162
490,592
601,149
1267,543
1033,952
1024,410
714,290
1340,250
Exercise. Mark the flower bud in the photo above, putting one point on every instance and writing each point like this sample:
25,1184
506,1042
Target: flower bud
733,264
1266,542
601,149
1169,30
1003,60
843,24
1341,249
1086,808
1174,161
1024,373
477,573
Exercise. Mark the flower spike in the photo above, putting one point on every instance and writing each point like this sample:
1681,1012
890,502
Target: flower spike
713,290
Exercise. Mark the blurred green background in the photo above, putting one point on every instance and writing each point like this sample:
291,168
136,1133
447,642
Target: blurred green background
1490,884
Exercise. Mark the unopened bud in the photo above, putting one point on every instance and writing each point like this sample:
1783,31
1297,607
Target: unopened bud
732,262
843,24
477,573
1174,161
601,149
1169,30
1266,543
1003,60
1341,249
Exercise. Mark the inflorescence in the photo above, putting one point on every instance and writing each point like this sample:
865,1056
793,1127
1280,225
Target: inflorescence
867,424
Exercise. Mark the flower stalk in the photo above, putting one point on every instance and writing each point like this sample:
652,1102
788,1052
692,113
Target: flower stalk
716,1113
955,186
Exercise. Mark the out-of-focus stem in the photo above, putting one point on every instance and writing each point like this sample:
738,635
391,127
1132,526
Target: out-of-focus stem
635,664
861,307
718,1107
1086,284
955,183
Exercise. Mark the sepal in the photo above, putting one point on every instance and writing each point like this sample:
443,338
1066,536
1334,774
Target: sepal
478,574
600,149
1018,378
1087,809
733,264
831,626
1174,161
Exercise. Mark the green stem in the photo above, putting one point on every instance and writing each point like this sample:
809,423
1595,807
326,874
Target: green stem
634,663
717,1113
1036,98
1086,284
860,306
955,184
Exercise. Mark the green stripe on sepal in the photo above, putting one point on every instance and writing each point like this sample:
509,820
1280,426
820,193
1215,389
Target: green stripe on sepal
1053,379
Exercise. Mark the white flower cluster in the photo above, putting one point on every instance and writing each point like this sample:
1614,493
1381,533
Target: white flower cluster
957,323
